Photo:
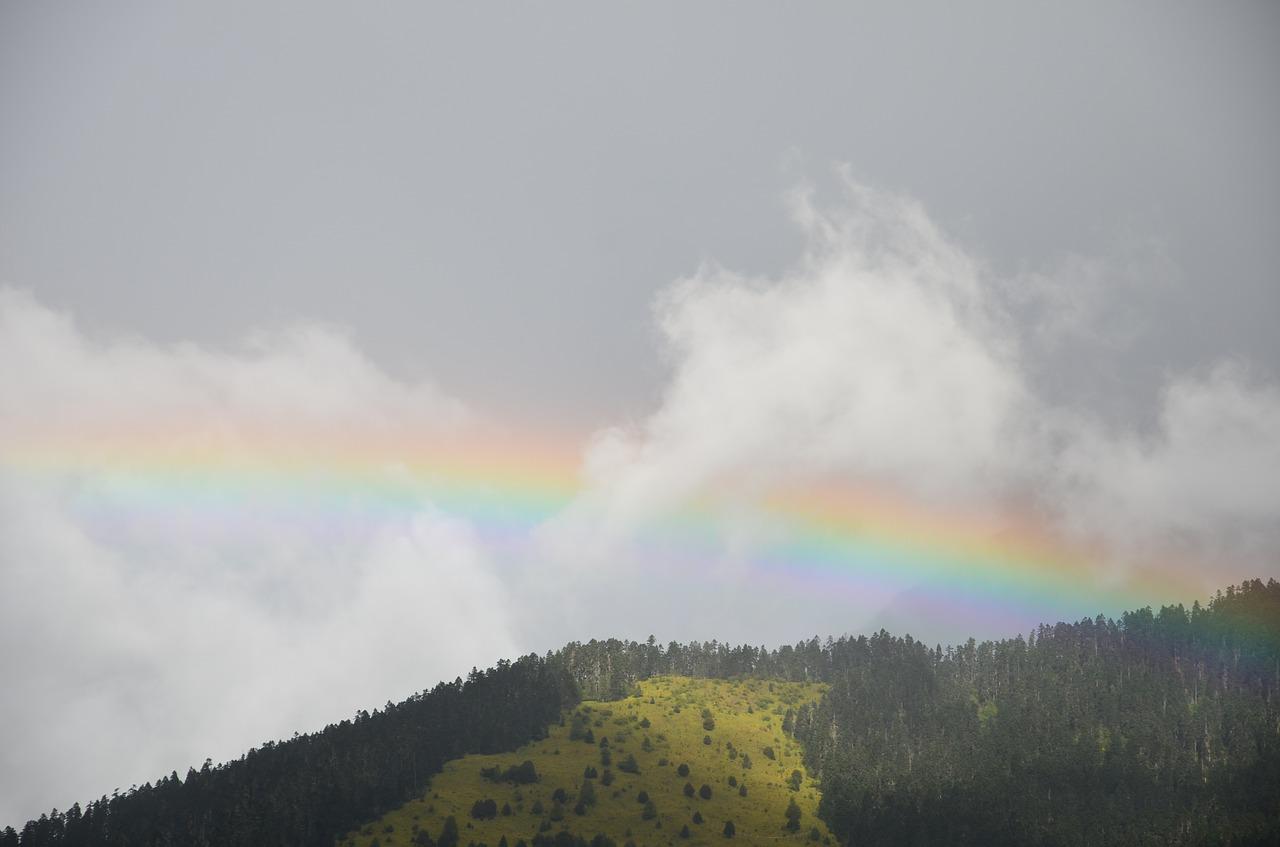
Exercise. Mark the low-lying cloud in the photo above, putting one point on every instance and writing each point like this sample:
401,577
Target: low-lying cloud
144,631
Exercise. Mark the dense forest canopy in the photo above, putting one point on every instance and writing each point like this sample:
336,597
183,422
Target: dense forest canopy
1161,727
306,790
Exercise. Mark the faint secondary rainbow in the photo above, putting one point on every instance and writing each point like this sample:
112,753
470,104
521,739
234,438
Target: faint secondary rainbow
837,537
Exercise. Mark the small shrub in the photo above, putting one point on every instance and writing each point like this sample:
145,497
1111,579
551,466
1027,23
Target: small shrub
522,774
484,810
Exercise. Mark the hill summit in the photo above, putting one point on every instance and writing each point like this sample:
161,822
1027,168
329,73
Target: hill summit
679,761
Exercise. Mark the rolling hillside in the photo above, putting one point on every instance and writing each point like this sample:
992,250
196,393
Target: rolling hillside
672,763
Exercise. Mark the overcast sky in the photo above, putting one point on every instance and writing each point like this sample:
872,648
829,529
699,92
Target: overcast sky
616,227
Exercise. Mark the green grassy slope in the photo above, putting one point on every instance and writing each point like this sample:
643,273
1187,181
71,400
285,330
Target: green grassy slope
663,727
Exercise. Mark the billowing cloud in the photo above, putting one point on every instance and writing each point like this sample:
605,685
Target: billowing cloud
892,357
879,357
153,616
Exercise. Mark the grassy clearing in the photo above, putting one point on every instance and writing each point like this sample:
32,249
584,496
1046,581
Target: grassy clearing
727,732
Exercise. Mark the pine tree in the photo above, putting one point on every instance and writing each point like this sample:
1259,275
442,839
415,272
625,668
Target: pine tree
793,816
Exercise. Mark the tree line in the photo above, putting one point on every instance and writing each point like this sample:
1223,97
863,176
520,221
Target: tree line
1156,728
310,789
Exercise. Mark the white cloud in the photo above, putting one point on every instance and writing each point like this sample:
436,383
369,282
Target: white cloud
891,357
879,356
147,625
309,375
1205,483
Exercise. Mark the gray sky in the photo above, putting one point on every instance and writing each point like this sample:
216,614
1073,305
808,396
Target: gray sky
431,176
971,255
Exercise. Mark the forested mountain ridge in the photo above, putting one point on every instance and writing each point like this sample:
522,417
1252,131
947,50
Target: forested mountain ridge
1154,729
1160,727
1157,728
308,789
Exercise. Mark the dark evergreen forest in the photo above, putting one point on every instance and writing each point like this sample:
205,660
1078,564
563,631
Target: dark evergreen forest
311,788
1157,728
1154,729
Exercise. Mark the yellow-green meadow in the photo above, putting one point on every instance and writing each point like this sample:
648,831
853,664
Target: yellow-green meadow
674,763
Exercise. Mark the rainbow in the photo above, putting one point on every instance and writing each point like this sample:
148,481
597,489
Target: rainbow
839,537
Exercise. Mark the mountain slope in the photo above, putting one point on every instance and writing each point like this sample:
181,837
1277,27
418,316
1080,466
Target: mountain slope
1156,728
306,790
674,740
1160,728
